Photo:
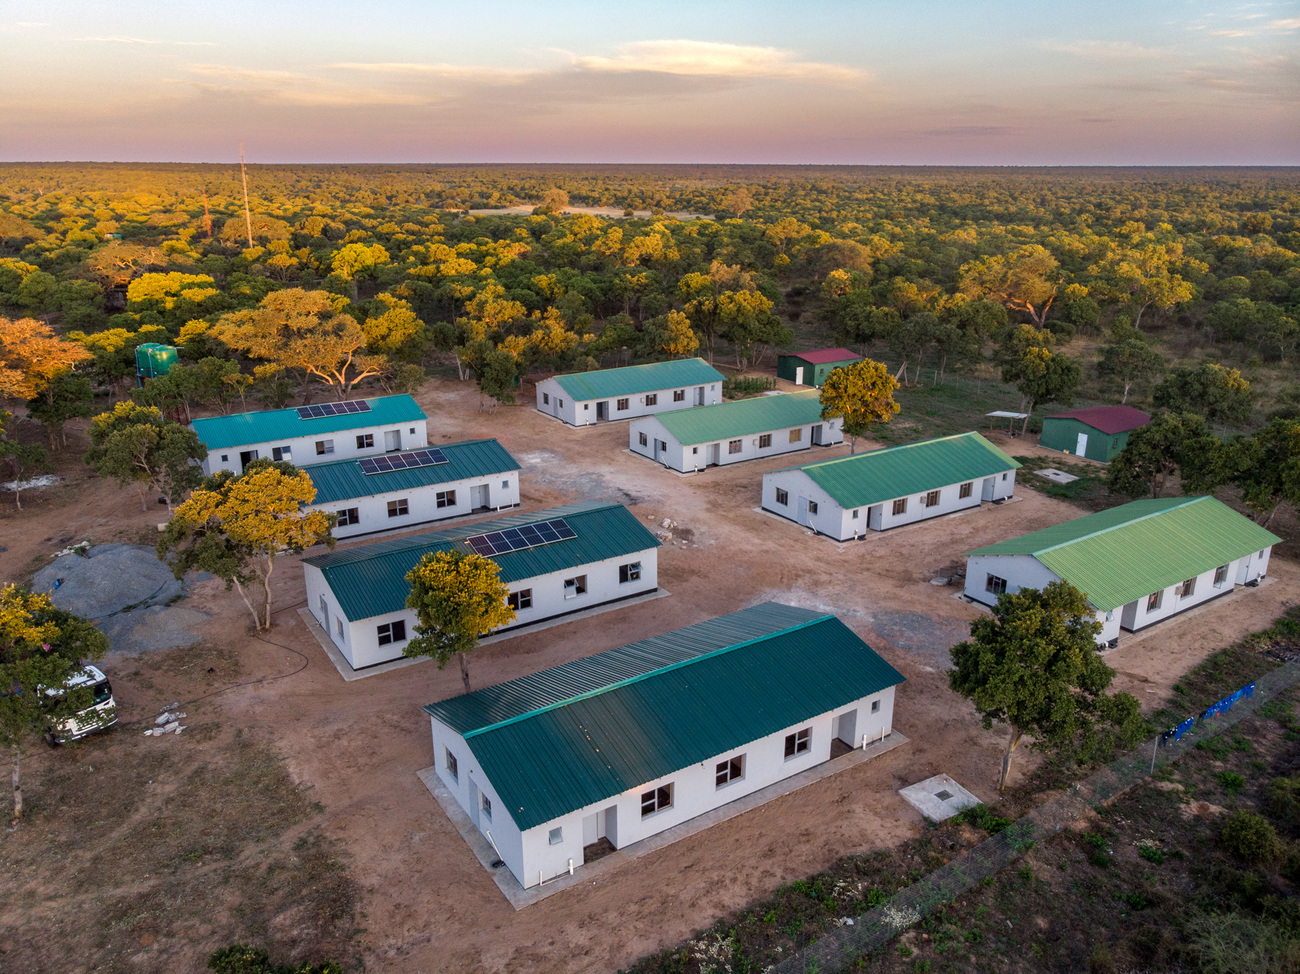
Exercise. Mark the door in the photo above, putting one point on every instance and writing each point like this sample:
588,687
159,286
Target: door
848,724
715,454
478,496
817,435
245,458
699,396
602,411
873,516
392,440
601,825
987,488
798,376
1081,448
803,510
474,803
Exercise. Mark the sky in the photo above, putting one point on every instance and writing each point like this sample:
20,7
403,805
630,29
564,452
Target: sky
981,82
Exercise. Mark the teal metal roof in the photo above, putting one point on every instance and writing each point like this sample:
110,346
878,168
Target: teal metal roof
575,735
370,580
913,468
271,425
744,417
635,379
1131,551
343,479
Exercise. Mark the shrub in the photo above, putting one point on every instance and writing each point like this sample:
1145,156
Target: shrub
1251,836
980,817
244,959
1284,799
1237,943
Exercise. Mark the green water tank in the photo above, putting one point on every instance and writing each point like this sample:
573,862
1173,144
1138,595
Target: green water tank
152,359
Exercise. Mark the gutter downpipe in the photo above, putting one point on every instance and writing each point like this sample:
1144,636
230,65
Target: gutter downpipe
488,833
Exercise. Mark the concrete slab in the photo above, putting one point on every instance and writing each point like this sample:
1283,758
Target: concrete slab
519,897
1056,476
938,798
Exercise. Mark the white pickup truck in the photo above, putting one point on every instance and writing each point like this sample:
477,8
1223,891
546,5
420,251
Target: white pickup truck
101,713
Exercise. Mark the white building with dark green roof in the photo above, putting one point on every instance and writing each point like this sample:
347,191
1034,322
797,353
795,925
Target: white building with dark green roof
629,743
747,429
1138,564
882,489
587,398
412,487
556,562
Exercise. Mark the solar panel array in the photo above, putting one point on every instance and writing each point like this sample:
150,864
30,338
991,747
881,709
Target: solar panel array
333,409
402,461
517,539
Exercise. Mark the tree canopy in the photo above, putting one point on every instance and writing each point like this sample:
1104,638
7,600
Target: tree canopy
862,395
136,444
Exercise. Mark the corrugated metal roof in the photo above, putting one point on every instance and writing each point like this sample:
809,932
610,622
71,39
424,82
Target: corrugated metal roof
570,752
913,468
344,479
634,379
370,580
1131,551
823,356
744,417
269,425
1107,419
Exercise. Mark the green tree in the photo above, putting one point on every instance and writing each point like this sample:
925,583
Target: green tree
1266,468
22,460
862,394
1040,374
1171,443
135,444
1128,361
40,648
356,259
457,596
1035,666
1218,393
69,396
1025,280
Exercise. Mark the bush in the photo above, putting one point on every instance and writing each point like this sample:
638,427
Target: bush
244,959
1237,943
1251,837
980,817
1284,799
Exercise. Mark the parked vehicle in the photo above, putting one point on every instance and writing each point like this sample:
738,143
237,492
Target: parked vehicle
101,713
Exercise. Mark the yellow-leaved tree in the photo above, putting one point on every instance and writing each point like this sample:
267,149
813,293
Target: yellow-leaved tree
235,526
32,357
457,596
862,394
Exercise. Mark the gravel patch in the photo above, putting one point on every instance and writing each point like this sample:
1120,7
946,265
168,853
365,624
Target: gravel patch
153,628
551,470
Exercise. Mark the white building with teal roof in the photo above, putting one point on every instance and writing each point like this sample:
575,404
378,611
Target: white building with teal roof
588,398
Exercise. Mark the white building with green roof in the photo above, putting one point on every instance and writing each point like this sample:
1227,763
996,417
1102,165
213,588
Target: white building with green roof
1138,563
747,429
588,398
882,489
629,743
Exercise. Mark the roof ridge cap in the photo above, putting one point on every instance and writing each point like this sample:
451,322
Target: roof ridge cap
1184,502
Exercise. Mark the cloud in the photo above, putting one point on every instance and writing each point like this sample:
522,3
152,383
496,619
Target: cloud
443,71
290,88
32,23
1107,50
712,59
118,39
1285,25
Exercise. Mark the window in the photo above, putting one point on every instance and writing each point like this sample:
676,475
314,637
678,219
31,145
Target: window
586,407
732,769
800,742
643,439
783,497
338,625
734,446
932,499
695,451
398,508
875,706
523,599
679,395
546,398
486,804
556,836
812,507
323,447
622,404
629,573
349,515
965,490
1154,600
445,498
573,587
284,453
1004,476
225,458
505,485
657,799
365,441
392,632
652,399
559,403
1114,442
900,506
994,585
324,606
1220,576
449,762
1187,589
765,441
412,430
856,512
796,436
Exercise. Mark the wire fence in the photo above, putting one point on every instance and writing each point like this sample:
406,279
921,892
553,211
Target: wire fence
838,950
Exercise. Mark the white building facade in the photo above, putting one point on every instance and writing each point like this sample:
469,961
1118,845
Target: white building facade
588,398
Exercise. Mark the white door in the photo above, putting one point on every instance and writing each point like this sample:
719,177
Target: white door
803,510
715,453
989,486
392,440
478,495
798,376
1081,448
699,396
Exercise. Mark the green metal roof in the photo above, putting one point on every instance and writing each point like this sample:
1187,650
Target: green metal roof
913,468
744,417
370,580
575,735
343,479
1128,552
271,425
635,379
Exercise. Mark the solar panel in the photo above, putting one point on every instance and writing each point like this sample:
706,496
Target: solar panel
402,461
333,409
517,539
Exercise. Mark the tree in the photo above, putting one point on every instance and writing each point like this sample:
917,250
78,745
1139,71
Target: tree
1025,280
69,396
1171,443
22,459
1040,375
40,648
673,335
1218,393
745,319
911,338
457,596
1129,361
234,526
861,393
1266,467
1035,666
355,259
554,200
135,444
32,357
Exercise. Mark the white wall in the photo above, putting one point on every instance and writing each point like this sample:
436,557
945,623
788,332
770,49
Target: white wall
303,448
696,456
554,401
422,503
1136,615
360,642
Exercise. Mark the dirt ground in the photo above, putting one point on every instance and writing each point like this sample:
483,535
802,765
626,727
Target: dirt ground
426,904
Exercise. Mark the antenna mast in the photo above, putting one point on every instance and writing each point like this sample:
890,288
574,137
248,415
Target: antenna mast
243,174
